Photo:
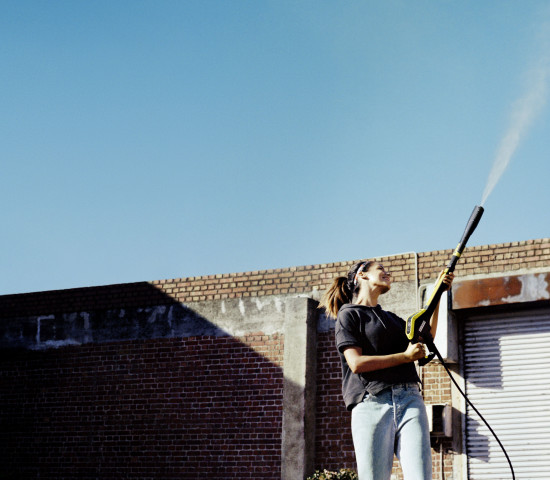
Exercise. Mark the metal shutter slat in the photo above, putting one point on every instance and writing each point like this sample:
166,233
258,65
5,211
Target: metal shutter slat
507,373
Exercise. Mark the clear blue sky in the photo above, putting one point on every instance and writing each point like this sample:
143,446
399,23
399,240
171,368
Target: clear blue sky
148,140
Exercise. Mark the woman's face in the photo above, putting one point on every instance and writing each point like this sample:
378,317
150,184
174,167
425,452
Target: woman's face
378,277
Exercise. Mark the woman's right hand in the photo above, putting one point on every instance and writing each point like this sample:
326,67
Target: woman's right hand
415,351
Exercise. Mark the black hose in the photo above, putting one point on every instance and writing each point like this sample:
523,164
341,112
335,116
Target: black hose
436,351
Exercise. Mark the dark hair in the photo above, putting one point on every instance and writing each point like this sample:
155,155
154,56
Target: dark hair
342,289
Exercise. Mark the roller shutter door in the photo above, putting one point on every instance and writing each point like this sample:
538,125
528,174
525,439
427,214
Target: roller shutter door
507,373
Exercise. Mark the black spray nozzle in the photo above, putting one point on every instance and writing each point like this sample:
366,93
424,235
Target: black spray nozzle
475,217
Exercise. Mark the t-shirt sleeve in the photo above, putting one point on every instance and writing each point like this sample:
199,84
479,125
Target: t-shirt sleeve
347,331
397,317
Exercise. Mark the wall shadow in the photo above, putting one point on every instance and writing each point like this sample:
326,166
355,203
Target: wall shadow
126,382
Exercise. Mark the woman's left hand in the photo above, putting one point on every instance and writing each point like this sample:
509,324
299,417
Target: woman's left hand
447,278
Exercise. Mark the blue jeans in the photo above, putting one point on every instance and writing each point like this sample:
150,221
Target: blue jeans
393,421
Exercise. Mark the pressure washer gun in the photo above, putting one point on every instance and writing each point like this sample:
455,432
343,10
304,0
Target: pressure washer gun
418,325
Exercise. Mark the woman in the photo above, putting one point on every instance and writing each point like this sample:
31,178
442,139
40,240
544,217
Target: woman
379,378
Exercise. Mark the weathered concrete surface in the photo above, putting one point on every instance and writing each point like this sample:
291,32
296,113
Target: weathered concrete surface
58,330
235,317
300,357
294,316
503,290
401,299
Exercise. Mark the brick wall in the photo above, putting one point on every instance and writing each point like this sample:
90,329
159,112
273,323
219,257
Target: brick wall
192,407
437,390
166,408
476,260
333,446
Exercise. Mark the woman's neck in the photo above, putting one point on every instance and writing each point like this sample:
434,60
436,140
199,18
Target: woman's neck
369,299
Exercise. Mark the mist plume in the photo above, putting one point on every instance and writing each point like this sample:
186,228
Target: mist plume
524,112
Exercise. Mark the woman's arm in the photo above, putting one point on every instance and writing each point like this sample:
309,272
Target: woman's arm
359,363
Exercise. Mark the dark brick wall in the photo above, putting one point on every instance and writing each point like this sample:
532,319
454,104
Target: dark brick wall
334,446
192,408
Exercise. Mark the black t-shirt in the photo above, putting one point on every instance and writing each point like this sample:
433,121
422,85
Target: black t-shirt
376,332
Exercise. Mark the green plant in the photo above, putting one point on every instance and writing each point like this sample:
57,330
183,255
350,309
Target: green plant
343,474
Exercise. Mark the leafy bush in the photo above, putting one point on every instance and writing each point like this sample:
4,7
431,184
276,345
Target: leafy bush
343,474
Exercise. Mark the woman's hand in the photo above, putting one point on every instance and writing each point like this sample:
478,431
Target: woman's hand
447,278
415,351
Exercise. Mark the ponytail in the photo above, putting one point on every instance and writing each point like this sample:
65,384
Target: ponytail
338,294
342,289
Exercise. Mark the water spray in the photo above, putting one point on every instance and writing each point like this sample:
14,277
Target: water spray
524,112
